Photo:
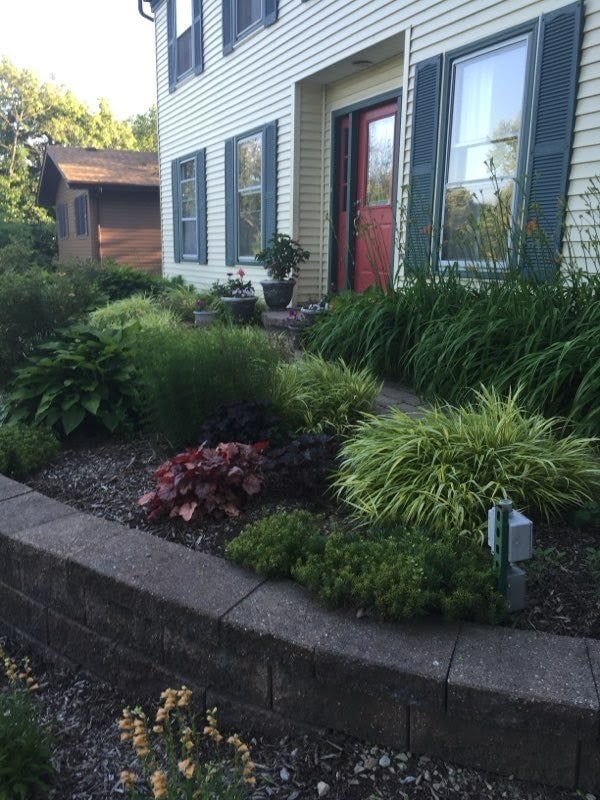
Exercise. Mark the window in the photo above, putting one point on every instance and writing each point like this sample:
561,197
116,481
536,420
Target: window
240,17
81,215
484,138
250,193
184,23
510,101
62,216
189,208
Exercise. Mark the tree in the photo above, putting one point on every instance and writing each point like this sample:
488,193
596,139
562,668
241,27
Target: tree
34,114
145,129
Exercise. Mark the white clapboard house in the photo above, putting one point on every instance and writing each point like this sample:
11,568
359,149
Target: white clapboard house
304,116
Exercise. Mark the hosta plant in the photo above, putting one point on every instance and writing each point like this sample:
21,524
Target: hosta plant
86,375
205,480
443,471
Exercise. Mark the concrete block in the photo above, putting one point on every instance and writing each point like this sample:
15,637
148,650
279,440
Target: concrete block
523,680
23,614
10,488
28,510
367,715
528,755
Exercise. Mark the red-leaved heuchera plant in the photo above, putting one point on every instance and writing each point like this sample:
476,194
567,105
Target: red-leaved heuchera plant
205,480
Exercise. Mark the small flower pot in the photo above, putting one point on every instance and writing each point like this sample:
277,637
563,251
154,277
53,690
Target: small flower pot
278,294
241,309
205,318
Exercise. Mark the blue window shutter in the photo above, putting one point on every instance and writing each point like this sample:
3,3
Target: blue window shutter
227,14
197,36
230,222
172,44
269,220
176,211
270,12
201,206
554,111
419,223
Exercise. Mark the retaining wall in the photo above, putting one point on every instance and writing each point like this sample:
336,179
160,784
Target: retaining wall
140,612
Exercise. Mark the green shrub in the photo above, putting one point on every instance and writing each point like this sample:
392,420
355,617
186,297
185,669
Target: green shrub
185,374
180,301
26,743
443,470
86,375
139,308
34,305
313,395
274,544
117,281
402,574
25,245
24,449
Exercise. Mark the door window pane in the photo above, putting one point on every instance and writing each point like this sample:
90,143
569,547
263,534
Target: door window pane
248,13
485,132
380,157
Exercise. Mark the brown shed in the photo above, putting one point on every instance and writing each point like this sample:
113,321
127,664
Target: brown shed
107,204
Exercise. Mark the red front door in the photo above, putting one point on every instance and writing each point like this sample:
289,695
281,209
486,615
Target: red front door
365,196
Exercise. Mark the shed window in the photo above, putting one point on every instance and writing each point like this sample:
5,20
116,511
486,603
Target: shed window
81,215
62,215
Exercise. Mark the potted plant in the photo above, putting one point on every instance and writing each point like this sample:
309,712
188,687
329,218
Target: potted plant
236,295
204,315
281,258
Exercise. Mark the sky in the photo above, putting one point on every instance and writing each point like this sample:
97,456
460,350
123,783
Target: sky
94,49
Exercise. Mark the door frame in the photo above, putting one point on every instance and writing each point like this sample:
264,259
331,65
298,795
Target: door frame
346,241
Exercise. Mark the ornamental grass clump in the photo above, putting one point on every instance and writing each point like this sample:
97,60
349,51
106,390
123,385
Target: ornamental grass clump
144,309
26,769
177,760
443,471
318,396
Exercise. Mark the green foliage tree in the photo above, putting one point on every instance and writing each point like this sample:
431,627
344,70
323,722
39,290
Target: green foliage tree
34,114
145,129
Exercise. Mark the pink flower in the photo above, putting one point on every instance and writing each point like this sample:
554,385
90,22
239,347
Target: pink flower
241,272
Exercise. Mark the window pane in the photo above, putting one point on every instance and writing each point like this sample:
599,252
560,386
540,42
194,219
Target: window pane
189,242
250,228
184,52
183,16
488,92
248,13
379,161
250,162
187,169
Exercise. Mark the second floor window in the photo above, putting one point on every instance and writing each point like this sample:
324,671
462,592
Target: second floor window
240,17
248,13
184,24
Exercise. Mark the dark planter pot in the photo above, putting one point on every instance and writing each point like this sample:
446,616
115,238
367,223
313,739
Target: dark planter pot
278,294
240,308
205,318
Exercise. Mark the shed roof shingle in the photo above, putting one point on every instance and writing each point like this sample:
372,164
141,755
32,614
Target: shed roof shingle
110,167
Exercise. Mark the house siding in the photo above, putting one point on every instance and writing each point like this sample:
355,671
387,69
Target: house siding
298,71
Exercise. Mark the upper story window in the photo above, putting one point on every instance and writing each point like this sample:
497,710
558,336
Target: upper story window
189,207
62,216
250,193
81,215
184,23
240,17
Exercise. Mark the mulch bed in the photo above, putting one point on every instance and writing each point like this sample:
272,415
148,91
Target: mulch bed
106,478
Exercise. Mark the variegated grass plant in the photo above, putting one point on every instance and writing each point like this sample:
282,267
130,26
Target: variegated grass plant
318,396
443,471
173,755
